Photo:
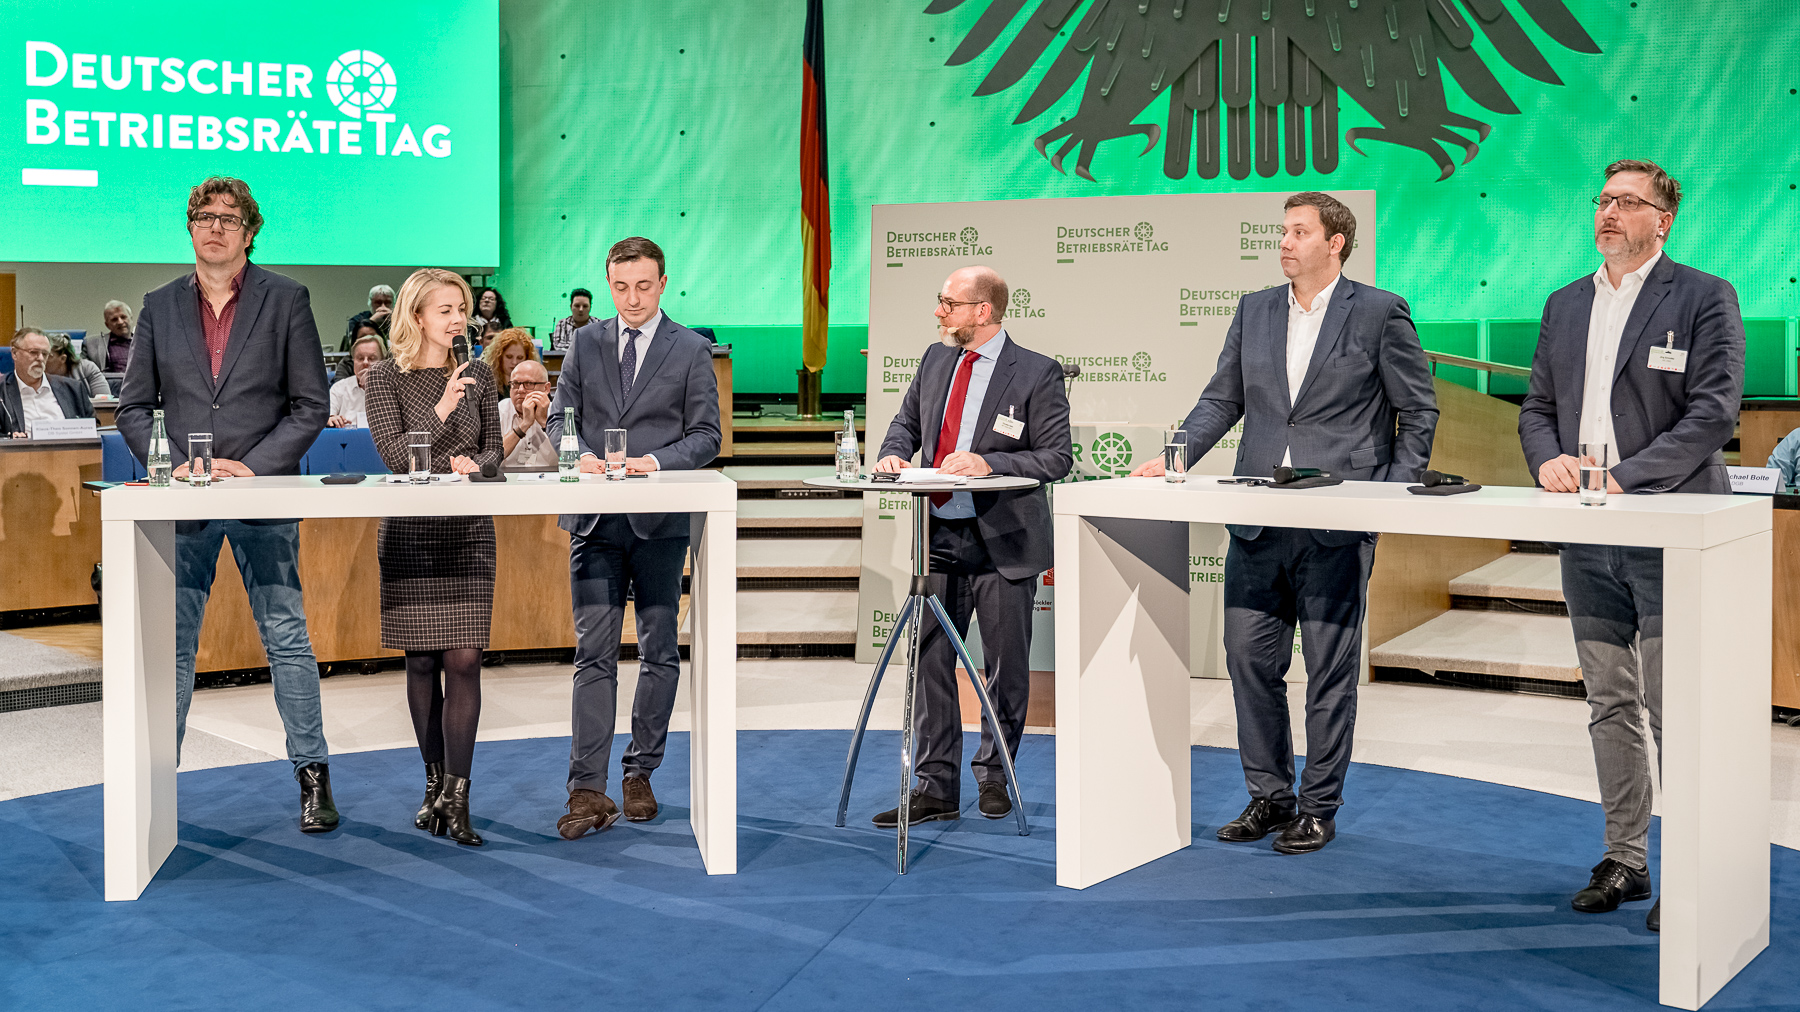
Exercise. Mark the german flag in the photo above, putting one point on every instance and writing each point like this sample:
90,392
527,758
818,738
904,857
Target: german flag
815,201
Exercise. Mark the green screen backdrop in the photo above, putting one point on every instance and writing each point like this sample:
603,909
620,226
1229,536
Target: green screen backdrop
680,121
368,131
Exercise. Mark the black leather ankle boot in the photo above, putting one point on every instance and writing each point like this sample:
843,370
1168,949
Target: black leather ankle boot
434,780
318,812
450,814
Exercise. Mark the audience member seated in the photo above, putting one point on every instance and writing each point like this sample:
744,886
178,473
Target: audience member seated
31,394
381,307
114,347
1786,457
66,361
524,417
489,306
503,351
349,410
580,302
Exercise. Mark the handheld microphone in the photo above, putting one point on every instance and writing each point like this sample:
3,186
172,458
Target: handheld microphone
460,348
1070,370
1286,475
1432,479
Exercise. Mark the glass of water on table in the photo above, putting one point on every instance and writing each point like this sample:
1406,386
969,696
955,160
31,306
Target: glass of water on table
200,459
1175,444
615,453
418,450
1596,464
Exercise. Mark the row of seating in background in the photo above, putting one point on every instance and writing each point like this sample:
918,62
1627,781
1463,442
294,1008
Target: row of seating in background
335,451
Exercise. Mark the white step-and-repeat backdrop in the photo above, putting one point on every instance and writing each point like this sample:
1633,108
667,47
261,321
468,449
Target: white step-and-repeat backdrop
1137,291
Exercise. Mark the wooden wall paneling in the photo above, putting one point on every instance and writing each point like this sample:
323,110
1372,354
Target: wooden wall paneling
1786,653
532,607
1759,431
49,527
1410,584
722,373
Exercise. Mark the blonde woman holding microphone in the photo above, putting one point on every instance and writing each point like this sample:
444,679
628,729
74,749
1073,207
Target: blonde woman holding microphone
437,573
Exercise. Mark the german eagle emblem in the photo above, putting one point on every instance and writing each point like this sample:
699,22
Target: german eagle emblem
1254,83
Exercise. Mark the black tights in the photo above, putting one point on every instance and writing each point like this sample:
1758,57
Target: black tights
444,714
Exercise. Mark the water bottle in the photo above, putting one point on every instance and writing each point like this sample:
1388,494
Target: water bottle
568,458
158,457
847,457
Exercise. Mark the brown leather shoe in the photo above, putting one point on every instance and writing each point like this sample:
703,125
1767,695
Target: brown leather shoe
588,810
640,803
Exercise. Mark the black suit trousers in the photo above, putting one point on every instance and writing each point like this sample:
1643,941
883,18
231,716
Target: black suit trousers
971,585
1271,582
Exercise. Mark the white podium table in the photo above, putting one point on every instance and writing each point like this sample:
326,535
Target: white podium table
138,683
1122,676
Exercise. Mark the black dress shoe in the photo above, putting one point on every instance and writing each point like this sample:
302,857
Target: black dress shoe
1260,818
450,815
434,782
994,803
1654,920
1305,835
1613,883
924,808
318,813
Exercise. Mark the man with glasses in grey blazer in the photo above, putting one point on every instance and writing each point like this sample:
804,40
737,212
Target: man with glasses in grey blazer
1645,356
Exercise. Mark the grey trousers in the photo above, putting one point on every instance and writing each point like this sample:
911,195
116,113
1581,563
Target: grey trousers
1615,606
1283,577
601,567
971,586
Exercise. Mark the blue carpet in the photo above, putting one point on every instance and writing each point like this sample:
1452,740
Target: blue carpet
1439,893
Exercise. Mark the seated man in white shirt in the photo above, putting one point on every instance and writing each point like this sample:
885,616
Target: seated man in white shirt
349,409
523,418
31,394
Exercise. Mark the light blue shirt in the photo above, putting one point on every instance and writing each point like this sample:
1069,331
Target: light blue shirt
1787,457
962,504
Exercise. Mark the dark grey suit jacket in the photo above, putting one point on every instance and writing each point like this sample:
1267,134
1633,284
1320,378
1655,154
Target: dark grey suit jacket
270,401
672,411
71,396
1014,526
1366,410
1671,427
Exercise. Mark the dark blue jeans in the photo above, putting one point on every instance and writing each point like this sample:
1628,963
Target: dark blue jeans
268,557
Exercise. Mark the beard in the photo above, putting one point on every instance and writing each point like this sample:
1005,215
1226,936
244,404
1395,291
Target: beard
1620,245
956,337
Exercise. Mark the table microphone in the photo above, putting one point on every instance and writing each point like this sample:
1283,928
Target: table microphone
1432,479
1285,475
490,471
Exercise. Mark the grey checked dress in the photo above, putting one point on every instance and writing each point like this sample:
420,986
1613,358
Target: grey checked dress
437,573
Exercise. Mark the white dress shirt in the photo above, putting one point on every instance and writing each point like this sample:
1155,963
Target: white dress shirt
533,449
1606,328
1302,336
39,405
962,504
647,331
349,400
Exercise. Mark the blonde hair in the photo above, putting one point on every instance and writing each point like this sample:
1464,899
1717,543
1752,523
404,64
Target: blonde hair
405,336
504,340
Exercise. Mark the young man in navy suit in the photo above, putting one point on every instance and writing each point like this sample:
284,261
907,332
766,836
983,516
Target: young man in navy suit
1646,356
642,372
1325,373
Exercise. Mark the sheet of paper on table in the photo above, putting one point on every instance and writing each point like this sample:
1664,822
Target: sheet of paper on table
931,475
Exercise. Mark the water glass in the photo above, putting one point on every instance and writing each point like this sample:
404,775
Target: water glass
200,459
1175,445
418,448
1596,463
615,453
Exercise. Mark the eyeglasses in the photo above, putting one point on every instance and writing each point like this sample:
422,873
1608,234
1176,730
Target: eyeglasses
30,353
530,384
207,219
949,305
1627,202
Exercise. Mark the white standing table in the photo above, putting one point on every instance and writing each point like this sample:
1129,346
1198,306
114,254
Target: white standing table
138,552
1122,676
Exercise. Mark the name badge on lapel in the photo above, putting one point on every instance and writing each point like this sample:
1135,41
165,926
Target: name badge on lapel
1668,358
1010,427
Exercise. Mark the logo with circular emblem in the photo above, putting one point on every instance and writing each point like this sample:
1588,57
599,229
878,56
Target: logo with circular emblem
969,236
1111,453
1141,361
1143,231
1021,298
359,82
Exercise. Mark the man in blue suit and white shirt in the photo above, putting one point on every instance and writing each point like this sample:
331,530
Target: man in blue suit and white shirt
979,404
1646,356
232,349
1326,373
642,372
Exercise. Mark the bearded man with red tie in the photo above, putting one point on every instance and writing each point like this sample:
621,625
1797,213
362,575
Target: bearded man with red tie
979,404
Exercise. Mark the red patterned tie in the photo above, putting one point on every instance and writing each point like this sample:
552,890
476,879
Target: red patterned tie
946,441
